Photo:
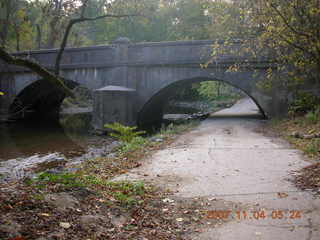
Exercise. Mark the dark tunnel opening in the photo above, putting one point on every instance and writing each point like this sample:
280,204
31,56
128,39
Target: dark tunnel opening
40,101
154,110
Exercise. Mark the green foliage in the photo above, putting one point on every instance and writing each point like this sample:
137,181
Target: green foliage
304,103
284,30
123,133
134,144
227,20
125,192
214,90
313,147
313,117
65,179
190,20
290,30
35,24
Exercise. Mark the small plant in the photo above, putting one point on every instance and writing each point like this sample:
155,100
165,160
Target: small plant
313,147
313,117
65,179
123,133
125,192
304,103
134,144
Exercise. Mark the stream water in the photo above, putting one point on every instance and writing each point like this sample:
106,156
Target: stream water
39,146
28,148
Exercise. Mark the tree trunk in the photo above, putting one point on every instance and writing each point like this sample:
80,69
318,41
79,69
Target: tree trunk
39,36
5,23
16,29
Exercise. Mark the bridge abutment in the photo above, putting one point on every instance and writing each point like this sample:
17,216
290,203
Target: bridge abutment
113,104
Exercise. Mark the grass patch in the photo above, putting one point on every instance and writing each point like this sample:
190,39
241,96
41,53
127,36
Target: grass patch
313,147
126,193
305,125
65,179
134,144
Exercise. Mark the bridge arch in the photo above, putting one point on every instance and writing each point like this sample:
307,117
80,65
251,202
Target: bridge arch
152,109
40,100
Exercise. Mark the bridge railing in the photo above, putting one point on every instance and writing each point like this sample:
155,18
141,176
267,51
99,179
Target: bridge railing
137,54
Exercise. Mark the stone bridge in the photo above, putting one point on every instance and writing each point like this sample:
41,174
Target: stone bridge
132,82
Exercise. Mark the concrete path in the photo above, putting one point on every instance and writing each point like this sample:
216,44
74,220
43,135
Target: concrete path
228,160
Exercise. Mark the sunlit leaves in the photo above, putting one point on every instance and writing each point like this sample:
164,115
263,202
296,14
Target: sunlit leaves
288,31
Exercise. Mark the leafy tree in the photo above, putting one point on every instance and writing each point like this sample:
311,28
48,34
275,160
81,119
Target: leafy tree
291,29
215,90
286,30
191,19
14,24
75,11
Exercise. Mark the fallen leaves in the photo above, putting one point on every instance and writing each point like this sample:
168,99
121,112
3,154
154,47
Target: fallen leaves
160,216
308,178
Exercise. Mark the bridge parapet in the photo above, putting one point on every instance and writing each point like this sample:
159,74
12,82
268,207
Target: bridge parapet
137,54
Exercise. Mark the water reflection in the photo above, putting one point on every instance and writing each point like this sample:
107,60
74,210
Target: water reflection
26,139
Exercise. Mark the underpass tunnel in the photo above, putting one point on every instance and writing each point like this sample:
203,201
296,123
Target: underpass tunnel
153,111
40,101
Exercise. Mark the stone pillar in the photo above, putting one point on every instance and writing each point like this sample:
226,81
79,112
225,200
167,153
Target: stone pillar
120,71
113,104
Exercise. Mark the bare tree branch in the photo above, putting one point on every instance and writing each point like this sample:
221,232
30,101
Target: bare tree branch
78,20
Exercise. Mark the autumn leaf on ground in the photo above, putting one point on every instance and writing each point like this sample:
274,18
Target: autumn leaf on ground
282,195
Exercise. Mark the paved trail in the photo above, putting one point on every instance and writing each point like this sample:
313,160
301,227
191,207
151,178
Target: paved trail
227,159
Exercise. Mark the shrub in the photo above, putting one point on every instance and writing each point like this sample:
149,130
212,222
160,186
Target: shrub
133,145
313,116
304,103
64,179
123,133
313,147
